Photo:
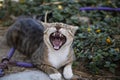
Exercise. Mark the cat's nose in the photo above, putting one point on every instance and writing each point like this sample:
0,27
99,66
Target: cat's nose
57,33
57,27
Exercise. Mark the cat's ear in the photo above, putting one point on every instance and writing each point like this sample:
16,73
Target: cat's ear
46,26
73,29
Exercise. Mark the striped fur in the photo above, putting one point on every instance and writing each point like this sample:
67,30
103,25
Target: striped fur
32,39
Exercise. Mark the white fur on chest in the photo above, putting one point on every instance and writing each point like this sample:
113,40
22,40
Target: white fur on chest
57,58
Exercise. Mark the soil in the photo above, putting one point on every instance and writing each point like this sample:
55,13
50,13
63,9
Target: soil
78,70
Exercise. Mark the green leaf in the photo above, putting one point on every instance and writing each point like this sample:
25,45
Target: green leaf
112,69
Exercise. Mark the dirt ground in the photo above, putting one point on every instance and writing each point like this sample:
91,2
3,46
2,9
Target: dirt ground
4,49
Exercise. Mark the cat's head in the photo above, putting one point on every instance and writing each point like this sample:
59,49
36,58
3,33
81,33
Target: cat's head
58,35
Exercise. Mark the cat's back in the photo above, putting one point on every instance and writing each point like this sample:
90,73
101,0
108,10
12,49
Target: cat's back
27,24
25,34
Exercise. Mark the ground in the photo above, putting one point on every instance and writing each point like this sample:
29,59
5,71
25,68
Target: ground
19,57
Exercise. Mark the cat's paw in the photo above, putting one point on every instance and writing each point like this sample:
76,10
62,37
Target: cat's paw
55,76
68,74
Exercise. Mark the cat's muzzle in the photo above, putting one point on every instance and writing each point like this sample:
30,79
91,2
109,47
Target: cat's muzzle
57,40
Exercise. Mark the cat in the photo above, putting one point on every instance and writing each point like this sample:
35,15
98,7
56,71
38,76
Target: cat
48,45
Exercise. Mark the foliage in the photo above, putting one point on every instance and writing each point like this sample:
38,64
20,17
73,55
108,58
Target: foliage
95,41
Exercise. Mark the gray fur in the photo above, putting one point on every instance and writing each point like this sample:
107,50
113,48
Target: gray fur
26,35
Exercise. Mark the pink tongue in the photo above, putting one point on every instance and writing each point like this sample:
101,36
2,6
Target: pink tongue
57,43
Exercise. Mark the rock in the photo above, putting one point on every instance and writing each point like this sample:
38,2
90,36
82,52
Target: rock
26,75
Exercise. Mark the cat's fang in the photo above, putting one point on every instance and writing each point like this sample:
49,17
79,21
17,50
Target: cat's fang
53,34
60,35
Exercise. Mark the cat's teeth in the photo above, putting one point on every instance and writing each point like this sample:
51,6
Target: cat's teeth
54,34
56,47
60,35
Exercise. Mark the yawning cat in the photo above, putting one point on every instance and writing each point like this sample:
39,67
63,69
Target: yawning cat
49,45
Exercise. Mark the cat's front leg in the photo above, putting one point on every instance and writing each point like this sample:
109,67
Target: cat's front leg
67,72
52,72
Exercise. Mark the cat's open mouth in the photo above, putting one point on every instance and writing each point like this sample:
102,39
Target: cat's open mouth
57,40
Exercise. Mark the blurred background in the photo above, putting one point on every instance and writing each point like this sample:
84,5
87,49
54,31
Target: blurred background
97,42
